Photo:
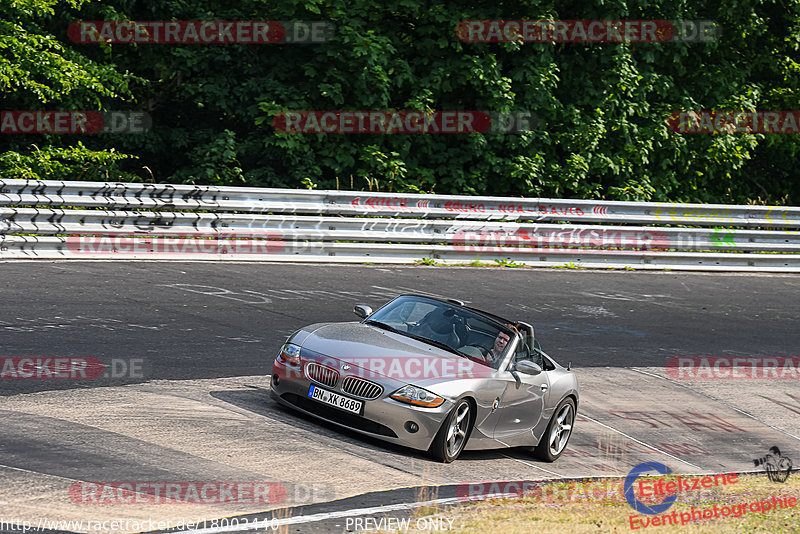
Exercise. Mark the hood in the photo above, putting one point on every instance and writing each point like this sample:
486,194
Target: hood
380,353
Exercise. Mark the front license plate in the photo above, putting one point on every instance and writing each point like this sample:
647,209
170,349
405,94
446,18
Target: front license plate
334,399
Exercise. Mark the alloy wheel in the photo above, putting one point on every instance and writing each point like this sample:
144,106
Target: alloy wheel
559,434
457,432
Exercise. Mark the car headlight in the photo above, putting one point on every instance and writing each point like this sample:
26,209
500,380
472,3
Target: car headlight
290,354
417,397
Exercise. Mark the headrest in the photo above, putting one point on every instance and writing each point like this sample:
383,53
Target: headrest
440,323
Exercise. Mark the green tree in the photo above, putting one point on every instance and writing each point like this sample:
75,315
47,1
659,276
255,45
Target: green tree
40,70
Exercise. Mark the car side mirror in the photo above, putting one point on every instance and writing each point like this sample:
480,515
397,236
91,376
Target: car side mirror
528,367
362,311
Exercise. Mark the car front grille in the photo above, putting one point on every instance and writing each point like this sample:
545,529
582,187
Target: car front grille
338,416
358,387
322,374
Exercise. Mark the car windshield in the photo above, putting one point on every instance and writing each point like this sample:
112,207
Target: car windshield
447,326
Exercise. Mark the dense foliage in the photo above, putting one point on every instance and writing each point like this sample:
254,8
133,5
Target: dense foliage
602,107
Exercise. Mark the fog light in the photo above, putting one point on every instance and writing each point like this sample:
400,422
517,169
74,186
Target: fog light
411,426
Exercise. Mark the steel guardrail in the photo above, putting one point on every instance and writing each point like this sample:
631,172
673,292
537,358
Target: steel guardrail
103,220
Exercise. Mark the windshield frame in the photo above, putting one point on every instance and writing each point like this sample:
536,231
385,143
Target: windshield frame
493,320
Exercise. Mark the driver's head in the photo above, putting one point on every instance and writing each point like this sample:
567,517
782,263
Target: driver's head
500,342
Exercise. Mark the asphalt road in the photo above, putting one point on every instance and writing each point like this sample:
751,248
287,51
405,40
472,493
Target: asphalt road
183,321
188,347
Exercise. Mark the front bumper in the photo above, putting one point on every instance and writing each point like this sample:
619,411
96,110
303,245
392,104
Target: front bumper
383,418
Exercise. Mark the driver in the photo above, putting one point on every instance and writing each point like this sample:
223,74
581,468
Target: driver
500,342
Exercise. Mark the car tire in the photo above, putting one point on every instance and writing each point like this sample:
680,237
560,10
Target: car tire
555,438
454,433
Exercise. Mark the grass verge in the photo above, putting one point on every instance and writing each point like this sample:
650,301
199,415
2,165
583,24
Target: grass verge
574,512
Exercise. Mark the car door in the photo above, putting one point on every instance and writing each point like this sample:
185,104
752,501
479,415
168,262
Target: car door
520,406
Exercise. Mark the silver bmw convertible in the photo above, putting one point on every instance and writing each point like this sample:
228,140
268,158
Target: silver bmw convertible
433,375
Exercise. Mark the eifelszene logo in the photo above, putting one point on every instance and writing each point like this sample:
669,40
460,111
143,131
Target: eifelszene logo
630,482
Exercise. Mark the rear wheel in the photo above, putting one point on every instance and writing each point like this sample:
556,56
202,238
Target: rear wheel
452,437
555,438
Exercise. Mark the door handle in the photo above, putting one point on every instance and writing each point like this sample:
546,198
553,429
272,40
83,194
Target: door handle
544,387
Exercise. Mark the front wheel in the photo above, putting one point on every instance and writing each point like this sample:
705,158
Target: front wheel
452,437
555,438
